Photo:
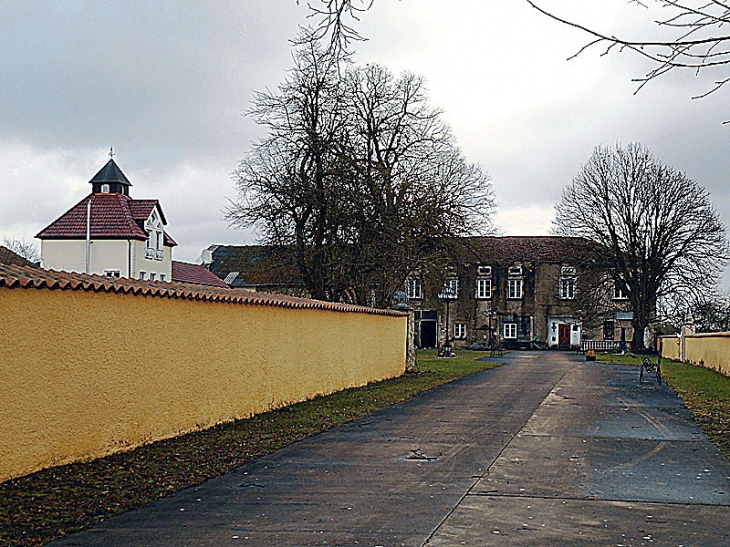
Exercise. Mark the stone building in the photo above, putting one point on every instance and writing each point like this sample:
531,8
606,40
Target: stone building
522,292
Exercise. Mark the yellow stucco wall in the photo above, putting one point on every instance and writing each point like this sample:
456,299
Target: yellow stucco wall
84,374
707,350
711,351
671,347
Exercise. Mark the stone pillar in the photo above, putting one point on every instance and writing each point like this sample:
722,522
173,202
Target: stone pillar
411,342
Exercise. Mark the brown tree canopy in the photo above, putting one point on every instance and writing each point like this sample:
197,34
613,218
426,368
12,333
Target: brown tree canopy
656,228
359,175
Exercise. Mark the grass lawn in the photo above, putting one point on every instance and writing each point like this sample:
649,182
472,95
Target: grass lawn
51,503
705,393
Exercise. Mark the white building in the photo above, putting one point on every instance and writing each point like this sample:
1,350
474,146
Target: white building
109,233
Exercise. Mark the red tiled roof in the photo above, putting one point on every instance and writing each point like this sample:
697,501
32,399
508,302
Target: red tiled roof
141,209
186,272
25,277
112,216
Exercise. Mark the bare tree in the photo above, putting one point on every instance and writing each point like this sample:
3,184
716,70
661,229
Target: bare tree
698,41
656,227
709,312
332,25
413,189
359,175
288,182
27,250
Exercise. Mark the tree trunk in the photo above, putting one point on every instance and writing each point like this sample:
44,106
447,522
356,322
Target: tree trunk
638,341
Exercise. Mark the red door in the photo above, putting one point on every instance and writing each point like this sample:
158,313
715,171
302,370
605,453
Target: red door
564,336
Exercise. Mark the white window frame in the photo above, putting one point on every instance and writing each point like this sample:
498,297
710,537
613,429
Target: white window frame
618,294
414,288
452,285
567,288
143,275
484,289
153,276
515,270
509,331
154,246
514,289
113,273
484,270
459,331
163,277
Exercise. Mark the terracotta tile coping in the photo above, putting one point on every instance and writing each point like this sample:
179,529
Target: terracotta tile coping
24,277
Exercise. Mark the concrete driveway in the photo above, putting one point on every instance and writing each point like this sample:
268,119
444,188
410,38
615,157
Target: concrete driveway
547,450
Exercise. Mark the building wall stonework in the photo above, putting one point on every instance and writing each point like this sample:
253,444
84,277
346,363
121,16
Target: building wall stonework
532,305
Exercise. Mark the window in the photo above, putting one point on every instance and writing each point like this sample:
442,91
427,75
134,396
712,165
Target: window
567,288
484,270
451,287
608,330
619,293
484,288
510,331
459,331
413,288
149,247
567,270
153,276
155,237
112,273
143,276
514,288
162,277
514,271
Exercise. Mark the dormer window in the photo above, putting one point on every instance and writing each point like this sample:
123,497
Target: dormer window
484,271
105,188
515,271
154,246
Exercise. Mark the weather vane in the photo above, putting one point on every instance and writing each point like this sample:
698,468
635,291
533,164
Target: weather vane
111,152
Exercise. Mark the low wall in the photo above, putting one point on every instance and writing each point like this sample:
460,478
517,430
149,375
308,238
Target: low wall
85,373
672,347
710,350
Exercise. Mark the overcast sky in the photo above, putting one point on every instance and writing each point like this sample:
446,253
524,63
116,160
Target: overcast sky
167,84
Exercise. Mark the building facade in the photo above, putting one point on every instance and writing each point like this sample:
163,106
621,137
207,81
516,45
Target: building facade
520,292
109,233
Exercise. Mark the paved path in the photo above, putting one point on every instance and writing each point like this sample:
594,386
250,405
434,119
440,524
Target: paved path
545,451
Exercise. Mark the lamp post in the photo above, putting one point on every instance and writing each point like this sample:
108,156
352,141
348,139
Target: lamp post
448,295
489,313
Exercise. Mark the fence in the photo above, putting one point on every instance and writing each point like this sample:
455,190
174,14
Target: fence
90,366
603,345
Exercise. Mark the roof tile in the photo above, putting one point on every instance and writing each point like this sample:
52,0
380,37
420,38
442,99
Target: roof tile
112,216
194,273
13,277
